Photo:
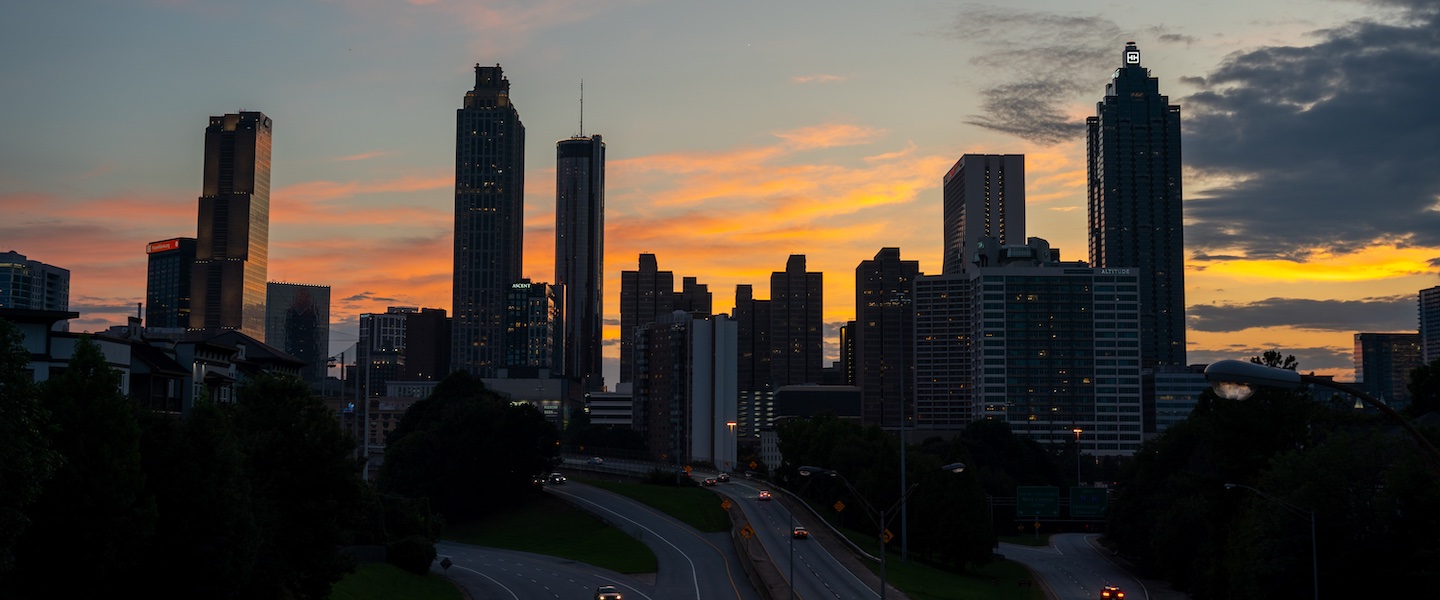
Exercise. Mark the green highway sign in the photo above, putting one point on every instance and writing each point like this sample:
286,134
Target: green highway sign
1037,501
1088,502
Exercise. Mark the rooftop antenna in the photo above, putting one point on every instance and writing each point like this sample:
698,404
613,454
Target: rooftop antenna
582,108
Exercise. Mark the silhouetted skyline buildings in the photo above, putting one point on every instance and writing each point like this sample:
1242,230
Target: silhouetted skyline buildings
1134,202
984,196
489,221
232,246
580,256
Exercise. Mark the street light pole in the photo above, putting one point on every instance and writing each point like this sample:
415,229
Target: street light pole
1314,552
1237,380
879,514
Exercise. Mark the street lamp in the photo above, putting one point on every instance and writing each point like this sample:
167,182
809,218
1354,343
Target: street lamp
879,515
1237,380
1314,554
1077,431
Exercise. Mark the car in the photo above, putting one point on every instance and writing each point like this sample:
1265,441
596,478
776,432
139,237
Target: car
537,480
557,478
711,481
595,460
723,478
799,533
607,592
1110,592
764,494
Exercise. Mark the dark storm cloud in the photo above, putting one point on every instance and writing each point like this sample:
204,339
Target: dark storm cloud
1043,60
1331,147
368,296
1395,313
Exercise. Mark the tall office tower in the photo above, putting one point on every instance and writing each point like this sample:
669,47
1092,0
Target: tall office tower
1057,348
645,294
1383,362
380,354
1134,202
684,395
297,320
797,329
943,352
847,354
533,324
32,284
232,246
884,338
489,221
427,345
167,282
752,335
984,197
1430,325
580,255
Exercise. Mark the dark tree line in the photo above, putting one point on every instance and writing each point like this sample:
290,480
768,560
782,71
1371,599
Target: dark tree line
255,499
1374,500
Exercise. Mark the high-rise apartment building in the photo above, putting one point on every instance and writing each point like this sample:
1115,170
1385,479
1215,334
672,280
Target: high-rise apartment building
167,282
297,320
32,284
984,198
645,294
752,334
884,338
1383,362
232,247
380,354
1430,325
1134,202
489,221
580,255
427,345
797,328
1056,347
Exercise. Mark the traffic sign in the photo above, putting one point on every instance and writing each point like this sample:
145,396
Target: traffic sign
1088,502
725,504
1037,501
747,532
887,536
839,506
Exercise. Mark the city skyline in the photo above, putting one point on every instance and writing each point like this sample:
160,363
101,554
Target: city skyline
822,133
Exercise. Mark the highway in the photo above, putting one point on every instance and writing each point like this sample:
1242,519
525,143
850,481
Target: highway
1073,568
487,573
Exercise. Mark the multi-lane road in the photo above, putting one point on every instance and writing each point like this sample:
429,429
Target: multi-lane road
706,566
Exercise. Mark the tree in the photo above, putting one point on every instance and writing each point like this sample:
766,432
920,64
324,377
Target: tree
307,493
1424,389
28,461
467,450
94,511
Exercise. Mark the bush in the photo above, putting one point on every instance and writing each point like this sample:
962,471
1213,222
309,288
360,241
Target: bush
413,554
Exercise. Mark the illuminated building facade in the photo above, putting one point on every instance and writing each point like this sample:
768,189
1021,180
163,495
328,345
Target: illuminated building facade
232,247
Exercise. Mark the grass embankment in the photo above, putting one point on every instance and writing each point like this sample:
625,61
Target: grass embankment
696,507
380,581
1000,580
553,527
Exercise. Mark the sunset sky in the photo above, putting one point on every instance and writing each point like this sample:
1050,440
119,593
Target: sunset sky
739,133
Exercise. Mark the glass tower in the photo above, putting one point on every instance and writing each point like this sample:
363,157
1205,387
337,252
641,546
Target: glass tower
489,221
1134,202
232,246
580,254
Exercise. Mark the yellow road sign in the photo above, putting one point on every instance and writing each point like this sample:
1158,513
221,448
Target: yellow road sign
747,532
839,506
887,536
725,504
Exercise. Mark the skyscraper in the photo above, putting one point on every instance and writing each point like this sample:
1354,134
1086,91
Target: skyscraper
1134,202
1383,362
884,338
297,320
645,294
489,221
580,255
533,318
797,329
167,282
984,197
232,248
